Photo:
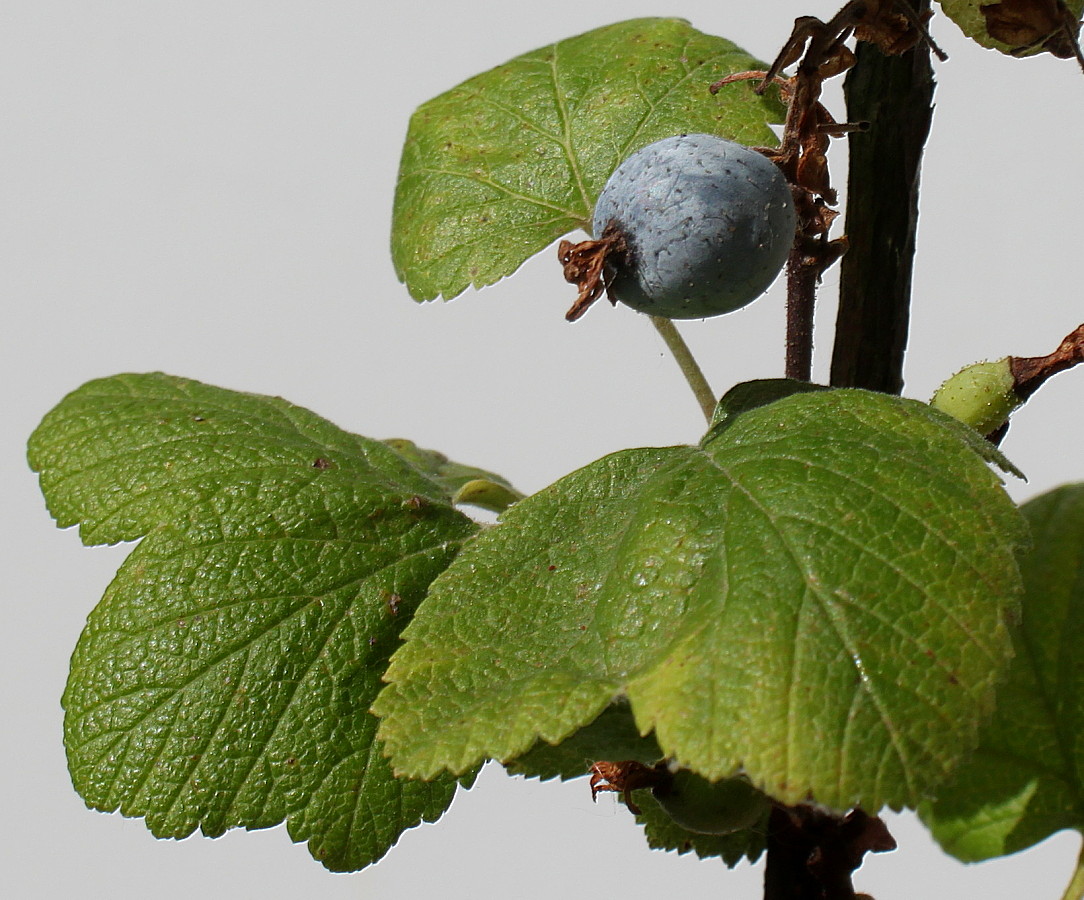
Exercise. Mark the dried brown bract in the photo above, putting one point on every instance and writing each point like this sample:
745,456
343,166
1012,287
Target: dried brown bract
820,51
894,27
1030,25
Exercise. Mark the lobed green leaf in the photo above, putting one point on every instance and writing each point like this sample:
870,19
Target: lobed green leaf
225,678
1026,779
497,168
816,595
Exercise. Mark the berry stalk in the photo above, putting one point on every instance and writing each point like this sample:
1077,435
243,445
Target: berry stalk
690,368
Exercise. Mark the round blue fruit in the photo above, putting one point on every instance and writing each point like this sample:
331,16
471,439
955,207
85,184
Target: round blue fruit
706,226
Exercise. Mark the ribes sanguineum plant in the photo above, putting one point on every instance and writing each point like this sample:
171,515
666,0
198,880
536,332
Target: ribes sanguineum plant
760,640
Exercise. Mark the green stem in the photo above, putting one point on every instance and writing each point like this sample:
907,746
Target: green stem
1075,891
694,375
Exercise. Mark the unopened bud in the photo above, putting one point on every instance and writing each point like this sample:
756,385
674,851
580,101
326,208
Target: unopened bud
981,395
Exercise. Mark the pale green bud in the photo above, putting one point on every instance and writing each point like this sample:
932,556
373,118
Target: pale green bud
981,395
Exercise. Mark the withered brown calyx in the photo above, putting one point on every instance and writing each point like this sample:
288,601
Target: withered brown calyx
585,265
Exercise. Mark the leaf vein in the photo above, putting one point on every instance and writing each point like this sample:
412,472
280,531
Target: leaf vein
566,128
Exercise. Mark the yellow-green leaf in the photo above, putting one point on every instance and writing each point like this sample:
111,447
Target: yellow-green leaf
816,595
225,678
497,168
1026,779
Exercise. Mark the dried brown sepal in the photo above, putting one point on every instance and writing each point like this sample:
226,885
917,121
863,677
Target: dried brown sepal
1030,25
812,165
821,52
1029,373
814,45
894,27
585,266
625,777
802,158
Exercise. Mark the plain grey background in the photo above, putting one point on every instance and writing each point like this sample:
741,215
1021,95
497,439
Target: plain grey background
205,188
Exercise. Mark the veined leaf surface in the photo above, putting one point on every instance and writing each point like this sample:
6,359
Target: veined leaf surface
225,678
816,595
497,168
1026,779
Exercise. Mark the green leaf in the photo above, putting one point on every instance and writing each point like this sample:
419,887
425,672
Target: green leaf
225,678
1026,779
978,443
497,168
464,484
1014,27
749,395
663,833
817,596
612,736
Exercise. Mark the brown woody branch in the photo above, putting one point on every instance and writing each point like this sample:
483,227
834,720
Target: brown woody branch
1029,373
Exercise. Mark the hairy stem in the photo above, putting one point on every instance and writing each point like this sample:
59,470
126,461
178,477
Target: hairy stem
894,94
801,303
694,375
1075,890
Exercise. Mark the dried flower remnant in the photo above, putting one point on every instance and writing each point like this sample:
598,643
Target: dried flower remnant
585,265
1028,26
820,51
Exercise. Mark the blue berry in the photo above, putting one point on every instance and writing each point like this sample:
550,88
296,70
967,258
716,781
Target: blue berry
706,226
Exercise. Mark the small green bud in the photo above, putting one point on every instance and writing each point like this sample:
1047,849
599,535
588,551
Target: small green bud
487,494
981,395
704,807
